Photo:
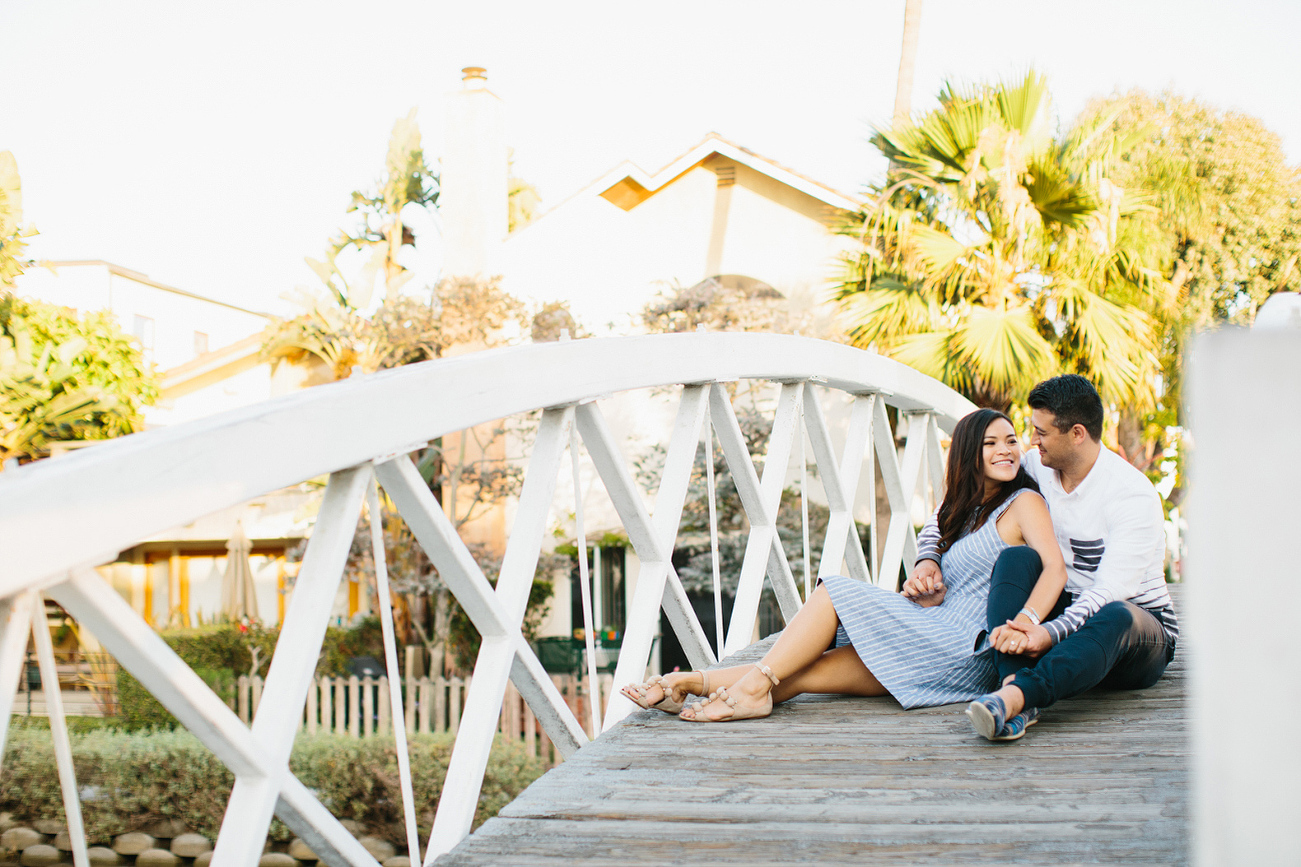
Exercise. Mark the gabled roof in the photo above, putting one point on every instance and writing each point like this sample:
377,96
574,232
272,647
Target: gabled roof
629,174
627,185
211,367
53,265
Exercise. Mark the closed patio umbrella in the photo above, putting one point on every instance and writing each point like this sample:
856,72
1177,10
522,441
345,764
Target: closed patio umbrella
237,597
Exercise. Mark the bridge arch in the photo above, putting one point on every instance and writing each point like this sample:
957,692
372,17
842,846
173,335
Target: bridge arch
60,518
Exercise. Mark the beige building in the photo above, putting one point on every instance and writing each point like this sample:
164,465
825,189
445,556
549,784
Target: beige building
208,355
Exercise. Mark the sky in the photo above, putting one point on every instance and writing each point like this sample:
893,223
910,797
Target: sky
214,146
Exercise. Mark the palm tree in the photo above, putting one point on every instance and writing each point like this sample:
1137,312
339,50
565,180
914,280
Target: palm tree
990,258
408,180
903,91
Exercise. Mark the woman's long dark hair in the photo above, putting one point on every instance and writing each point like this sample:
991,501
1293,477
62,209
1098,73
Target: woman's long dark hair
965,507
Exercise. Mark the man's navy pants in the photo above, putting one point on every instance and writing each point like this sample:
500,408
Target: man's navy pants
1122,646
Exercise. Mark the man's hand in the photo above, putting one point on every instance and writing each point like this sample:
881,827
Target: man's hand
926,584
1021,637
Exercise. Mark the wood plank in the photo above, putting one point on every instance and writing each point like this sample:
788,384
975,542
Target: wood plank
1103,778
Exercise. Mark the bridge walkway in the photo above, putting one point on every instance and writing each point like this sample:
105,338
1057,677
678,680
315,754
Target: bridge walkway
1103,778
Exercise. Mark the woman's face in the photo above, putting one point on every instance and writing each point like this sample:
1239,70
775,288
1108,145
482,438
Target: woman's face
1001,453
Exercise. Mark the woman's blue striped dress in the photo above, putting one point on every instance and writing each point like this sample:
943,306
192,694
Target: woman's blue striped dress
928,656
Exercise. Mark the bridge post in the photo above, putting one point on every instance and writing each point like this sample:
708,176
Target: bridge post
1242,573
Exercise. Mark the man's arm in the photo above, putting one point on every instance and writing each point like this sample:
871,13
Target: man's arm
925,585
1135,538
928,540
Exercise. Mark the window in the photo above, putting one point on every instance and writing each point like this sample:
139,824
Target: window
606,565
143,328
200,343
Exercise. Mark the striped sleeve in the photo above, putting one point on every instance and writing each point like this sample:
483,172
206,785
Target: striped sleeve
928,540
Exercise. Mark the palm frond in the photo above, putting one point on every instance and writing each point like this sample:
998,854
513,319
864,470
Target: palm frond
887,311
1115,344
1027,108
1004,347
1059,197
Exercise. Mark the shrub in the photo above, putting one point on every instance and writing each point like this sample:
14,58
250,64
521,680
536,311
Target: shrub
130,779
220,654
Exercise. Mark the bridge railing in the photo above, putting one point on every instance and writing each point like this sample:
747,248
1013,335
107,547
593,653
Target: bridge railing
59,519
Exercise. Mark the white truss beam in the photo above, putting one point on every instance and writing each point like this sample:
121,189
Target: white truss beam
840,482
900,486
657,583
16,618
140,650
761,499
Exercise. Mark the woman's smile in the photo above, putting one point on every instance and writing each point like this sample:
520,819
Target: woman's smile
1001,452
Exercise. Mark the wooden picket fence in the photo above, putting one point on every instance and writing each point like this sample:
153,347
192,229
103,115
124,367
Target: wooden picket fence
360,707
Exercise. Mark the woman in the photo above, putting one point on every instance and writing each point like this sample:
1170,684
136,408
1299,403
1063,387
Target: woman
926,646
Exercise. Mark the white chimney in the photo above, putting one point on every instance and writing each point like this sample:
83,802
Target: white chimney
473,179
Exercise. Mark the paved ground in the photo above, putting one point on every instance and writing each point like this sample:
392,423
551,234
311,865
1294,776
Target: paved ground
1102,779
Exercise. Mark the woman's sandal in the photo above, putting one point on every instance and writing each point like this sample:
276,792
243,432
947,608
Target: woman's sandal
721,694
636,693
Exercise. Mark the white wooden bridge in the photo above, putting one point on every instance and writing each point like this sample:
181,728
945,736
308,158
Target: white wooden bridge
61,518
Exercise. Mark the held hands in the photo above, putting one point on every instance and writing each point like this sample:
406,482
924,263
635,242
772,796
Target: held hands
1021,637
926,584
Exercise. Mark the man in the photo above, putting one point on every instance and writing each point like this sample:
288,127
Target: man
1114,625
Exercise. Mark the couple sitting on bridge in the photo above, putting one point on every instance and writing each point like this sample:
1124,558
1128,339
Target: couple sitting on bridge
1039,577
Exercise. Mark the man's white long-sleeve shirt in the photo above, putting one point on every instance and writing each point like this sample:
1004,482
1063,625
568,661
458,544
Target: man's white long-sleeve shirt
1110,531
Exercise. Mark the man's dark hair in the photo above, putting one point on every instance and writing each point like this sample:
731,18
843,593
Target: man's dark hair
1072,400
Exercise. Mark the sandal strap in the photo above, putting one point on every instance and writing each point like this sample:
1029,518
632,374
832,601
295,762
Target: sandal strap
704,677
767,672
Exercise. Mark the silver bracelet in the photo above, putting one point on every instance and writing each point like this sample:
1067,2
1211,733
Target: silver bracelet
1032,614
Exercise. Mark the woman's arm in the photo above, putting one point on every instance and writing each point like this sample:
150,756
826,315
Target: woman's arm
1027,522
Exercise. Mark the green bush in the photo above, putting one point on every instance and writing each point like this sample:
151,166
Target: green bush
342,644
76,724
131,779
220,654
137,709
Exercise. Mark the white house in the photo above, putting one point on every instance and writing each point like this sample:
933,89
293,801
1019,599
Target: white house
208,355
717,211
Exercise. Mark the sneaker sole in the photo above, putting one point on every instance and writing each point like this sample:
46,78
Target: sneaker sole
1018,735
982,720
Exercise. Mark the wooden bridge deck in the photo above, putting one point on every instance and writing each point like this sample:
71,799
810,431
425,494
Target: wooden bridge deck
1103,778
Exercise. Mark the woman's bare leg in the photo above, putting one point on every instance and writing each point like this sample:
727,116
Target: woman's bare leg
837,672
802,646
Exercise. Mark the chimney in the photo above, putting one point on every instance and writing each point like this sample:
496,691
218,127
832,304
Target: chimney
473,179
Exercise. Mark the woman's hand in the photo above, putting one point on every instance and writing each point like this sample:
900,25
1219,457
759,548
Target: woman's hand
1021,637
925,585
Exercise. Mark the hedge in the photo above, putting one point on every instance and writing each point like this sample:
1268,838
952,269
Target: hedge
128,780
219,654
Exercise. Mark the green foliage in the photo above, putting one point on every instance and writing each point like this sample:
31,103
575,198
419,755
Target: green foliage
1226,221
76,724
66,377
408,180
129,780
404,330
220,654
994,253
1223,231
523,202
364,638
12,231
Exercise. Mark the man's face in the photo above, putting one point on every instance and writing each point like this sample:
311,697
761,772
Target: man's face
1056,447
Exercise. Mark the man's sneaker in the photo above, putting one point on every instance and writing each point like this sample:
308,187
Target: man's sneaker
988,715
1017,725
